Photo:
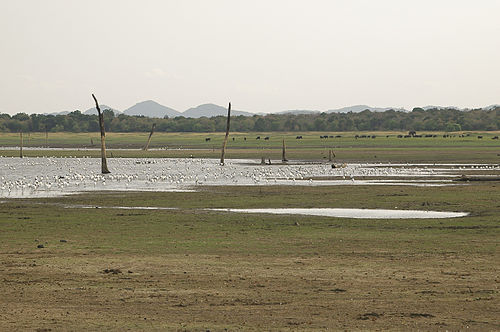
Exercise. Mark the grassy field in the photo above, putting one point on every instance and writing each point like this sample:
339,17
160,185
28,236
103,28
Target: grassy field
197,270
198,140
346,148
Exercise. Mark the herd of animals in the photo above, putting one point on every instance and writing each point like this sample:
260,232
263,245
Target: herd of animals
410,134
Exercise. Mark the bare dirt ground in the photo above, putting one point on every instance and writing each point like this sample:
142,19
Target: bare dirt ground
193,270
354,291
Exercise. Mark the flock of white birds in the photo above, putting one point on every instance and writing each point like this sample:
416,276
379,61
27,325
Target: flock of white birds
50,176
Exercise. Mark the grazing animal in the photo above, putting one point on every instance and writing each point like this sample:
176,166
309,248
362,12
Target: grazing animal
298,137
495,137
207,139
266,138
480,137
258,137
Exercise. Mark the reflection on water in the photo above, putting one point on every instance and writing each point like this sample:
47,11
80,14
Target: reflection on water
356,213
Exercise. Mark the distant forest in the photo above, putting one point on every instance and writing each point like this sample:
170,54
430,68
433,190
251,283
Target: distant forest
418,119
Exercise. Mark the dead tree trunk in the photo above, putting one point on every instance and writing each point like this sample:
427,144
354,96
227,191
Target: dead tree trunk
104,164
21,144
283,157
227,135
149,138
331,155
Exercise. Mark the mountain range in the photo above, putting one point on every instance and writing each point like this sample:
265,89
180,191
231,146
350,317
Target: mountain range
150,108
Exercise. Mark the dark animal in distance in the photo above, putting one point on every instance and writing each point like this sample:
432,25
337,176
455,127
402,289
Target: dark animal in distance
298,137
266,138
207,139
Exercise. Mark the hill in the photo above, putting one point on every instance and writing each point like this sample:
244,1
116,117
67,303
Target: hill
210,110
93,110
151,109
361,108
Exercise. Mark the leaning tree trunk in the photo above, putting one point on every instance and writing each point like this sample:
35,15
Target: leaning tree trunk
21,144
227,135
104,164
283,157
149,138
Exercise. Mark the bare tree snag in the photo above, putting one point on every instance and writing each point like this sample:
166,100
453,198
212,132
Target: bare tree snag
283,157
149,138
104,164
227,135
331,155
21,144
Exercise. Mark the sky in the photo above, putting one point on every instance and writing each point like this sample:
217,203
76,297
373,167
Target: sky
262,55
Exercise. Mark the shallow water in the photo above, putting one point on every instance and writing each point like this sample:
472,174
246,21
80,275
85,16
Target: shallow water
324,212
45,177
355,213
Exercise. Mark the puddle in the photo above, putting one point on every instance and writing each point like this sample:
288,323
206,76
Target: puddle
323,212
355,213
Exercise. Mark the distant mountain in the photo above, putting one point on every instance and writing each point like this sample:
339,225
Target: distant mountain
210,110
58,113
491,107
151,109
93,110
297,112
361,108
430,107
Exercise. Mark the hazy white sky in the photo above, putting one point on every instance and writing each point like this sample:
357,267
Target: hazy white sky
262,55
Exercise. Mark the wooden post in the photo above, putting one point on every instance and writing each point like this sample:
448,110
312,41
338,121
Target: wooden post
104,164
149,138
46,137
21,144
227,135
330,155
283,157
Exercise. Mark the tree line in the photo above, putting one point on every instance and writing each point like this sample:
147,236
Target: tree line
418,119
